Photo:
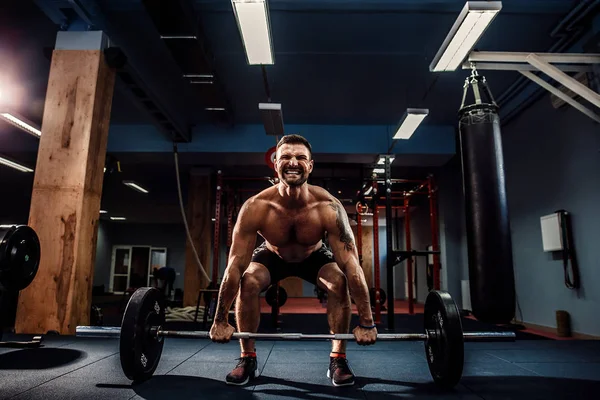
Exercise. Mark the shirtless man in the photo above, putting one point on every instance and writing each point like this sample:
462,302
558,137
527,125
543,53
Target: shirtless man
293,217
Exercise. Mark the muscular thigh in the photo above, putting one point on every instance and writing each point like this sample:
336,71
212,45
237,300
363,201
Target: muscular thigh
257,274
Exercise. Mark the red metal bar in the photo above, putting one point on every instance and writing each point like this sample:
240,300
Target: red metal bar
435,242
215,271
247,178
409,260
393,198
359,237
376,266
248,190
406,180
406,191
229,218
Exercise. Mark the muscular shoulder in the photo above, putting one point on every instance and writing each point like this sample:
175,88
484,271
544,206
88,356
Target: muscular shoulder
329,206
335,219
321,195
254,209
264,200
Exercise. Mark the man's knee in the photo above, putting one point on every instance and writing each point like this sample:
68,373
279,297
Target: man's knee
250,285
253,282
334,281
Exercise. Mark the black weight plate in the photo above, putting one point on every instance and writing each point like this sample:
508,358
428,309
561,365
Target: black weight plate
139,349
445,346
271,296
19,257
382,296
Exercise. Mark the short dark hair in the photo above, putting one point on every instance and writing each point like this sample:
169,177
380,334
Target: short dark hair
294,139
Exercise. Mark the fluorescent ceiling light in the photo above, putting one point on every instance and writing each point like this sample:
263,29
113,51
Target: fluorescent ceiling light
14,165
118,218
21,123
215,109
382,160
198,76
253,22
410,122
269,106
202,82
379,171
472,21
135,186
103,211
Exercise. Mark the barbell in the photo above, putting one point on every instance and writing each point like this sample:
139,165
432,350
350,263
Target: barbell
141,336
19,256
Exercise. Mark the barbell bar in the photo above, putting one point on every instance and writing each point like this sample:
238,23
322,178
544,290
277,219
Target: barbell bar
115,332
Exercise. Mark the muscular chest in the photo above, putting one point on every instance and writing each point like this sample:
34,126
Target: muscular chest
285,228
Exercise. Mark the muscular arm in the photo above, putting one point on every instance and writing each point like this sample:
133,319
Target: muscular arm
341,240
240,254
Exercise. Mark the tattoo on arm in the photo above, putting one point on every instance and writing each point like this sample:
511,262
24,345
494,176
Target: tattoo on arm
344,226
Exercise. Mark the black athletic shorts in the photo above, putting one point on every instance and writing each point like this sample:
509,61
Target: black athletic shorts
307,269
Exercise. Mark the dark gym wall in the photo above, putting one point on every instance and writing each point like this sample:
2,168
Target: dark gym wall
553,162
171,236
453,241
103,256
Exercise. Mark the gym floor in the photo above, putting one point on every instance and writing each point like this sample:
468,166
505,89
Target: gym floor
533,367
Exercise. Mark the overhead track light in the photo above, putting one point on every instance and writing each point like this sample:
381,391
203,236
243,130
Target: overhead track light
410,121
178,37
21,123
135,186
252,18
473,20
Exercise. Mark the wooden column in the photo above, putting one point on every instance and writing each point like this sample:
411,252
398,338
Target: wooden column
67,188
199,216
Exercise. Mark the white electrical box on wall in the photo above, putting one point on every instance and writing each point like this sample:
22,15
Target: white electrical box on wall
551,232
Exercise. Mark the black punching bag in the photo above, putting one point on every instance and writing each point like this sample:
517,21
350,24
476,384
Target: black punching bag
489,242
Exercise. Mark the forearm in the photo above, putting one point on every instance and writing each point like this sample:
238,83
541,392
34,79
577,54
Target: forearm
359,292
227,292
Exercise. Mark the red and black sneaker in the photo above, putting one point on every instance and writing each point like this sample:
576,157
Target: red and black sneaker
339,372
245,369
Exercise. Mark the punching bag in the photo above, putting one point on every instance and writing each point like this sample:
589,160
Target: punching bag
491,274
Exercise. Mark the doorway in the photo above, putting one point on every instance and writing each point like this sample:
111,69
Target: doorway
132,266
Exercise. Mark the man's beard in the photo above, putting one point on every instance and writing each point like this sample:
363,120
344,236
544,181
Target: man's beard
294,181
